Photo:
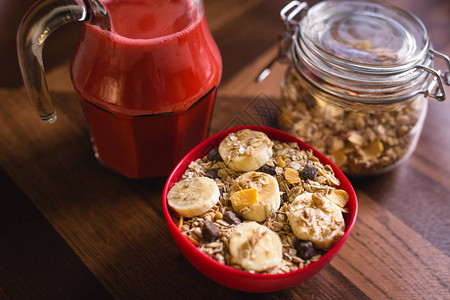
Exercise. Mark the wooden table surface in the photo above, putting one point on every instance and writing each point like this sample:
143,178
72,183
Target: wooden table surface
71,229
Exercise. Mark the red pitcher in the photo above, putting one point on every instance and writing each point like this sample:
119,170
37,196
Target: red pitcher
146,71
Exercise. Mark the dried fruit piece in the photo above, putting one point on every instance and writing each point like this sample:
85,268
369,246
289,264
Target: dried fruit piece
336,145
255,196
285,121
291,176
209,231
305,249
193,240
231,218
309,172
355,138
280,162
373,150
338,197
339,158
244,198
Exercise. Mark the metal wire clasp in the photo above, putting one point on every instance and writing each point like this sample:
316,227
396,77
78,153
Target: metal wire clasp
291,15
437,92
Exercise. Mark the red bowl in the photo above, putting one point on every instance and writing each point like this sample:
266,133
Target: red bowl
241,280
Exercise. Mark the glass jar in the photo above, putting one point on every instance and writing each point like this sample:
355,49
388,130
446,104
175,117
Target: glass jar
358,77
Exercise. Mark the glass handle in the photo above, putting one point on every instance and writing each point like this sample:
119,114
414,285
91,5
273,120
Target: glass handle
436,88
436,92
38,23
446,59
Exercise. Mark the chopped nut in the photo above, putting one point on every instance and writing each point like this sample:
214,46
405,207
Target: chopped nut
318,200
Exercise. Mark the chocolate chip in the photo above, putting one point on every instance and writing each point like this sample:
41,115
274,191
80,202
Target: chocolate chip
268,169
305,249
209,231
309,172
212,173
214,155
231,218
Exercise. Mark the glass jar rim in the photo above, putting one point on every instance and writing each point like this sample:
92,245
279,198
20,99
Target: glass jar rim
367,36
365,51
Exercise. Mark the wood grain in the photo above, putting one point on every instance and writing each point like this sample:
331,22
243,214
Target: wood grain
28,242
110,232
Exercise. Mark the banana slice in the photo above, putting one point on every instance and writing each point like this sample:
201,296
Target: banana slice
193,196
246,150
255,247
314,218
255,195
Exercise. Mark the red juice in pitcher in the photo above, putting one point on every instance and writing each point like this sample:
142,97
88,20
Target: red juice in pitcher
148,85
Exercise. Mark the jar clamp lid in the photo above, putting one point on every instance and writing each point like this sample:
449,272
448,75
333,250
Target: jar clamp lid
363,51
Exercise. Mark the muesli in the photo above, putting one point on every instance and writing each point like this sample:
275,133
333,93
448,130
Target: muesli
359,140
259,205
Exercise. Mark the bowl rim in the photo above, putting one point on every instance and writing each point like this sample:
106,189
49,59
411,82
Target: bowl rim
199,152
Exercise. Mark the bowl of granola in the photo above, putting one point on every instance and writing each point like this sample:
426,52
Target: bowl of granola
257,210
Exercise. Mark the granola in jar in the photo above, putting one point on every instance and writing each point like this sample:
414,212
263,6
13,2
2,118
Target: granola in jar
359,139
358,80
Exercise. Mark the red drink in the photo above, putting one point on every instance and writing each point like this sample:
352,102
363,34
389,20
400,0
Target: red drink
148,86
